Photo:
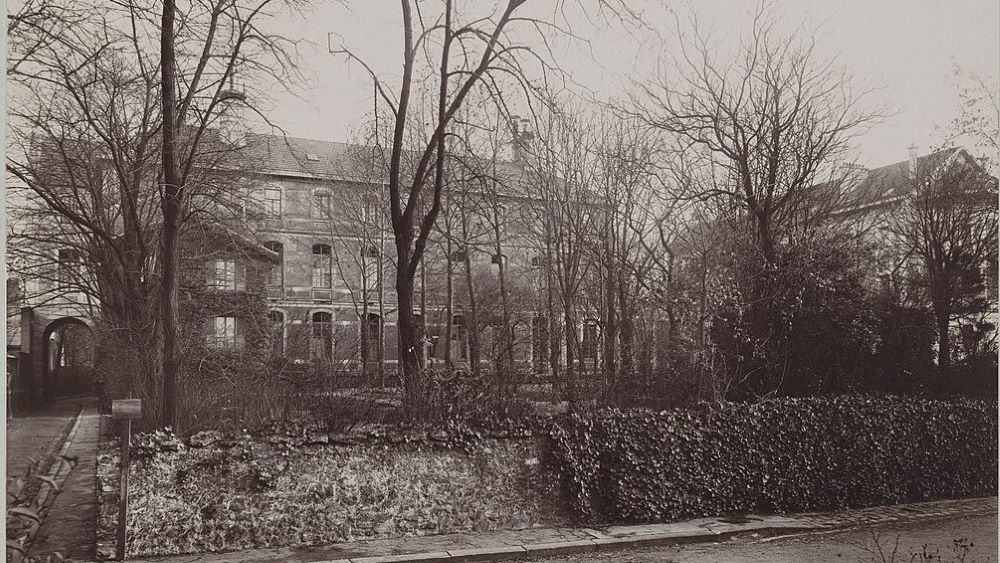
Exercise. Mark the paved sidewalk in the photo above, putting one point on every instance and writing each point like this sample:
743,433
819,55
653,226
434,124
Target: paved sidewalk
498,546
66,427
70,526
39,434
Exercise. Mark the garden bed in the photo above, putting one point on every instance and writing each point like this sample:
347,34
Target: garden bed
255,492
297,486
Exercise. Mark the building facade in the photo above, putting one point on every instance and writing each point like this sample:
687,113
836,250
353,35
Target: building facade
332,297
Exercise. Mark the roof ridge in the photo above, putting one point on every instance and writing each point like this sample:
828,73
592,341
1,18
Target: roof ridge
306,139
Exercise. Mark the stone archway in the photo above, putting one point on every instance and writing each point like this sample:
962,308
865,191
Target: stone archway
68,347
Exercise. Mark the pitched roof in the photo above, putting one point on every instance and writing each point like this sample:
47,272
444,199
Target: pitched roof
326,160
295,156
891,181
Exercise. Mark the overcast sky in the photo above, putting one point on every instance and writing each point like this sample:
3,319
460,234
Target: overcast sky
905,49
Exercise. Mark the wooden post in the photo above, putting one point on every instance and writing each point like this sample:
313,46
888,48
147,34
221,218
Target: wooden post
124,410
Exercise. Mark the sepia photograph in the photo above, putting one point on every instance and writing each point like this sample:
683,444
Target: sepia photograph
551,281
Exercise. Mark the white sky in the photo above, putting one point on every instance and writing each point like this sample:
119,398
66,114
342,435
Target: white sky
906,49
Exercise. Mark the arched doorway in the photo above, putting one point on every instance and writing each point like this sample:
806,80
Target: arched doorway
67,358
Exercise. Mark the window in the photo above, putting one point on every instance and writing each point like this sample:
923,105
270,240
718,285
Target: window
536,261
276,274
589,351
458,256
14,292
228,275
539,343
321,205
459,339
272,203
322,334
370,251
225,332
70,266
496,258
322,267
373,338
277,319
369,208
149,266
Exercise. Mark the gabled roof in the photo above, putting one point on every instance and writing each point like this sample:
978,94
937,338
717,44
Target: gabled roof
890,182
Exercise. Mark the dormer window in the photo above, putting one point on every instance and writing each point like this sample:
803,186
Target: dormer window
312,157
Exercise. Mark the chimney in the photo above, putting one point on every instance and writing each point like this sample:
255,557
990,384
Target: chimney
913,160
521,129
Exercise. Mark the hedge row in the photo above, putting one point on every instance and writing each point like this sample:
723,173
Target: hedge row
788,455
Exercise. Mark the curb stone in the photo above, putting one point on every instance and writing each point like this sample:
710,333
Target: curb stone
551,549
706,530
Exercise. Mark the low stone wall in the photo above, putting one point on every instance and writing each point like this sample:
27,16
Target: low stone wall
220,492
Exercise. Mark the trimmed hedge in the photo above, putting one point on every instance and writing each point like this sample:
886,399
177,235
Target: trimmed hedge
786,455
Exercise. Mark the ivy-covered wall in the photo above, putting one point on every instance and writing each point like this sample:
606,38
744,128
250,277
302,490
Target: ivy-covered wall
217,380
788,455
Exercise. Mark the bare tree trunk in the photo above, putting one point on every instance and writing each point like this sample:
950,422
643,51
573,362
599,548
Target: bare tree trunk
409,353
626,332
380,280
472,323
610,319
506,336
944,343
449,296
171,206
366,360
550,309
570,328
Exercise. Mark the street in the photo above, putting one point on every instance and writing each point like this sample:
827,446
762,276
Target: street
978,535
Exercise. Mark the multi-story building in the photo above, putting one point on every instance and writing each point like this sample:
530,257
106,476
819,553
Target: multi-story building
323,210
938,191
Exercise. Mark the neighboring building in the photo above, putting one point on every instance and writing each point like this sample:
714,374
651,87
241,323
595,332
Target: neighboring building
323,210
50,337
875,201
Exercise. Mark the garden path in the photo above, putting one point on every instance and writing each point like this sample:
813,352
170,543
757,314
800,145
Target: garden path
38,434
70,524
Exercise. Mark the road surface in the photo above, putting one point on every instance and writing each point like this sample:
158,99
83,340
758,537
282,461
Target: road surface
935,538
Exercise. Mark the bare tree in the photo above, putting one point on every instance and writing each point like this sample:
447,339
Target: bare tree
763,134
765,126
565,222
86,122
461,55
978,120
948,222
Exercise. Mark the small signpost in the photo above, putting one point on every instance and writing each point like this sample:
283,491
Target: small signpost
124,410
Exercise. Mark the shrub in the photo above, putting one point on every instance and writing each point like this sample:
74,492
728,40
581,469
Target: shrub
785,455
